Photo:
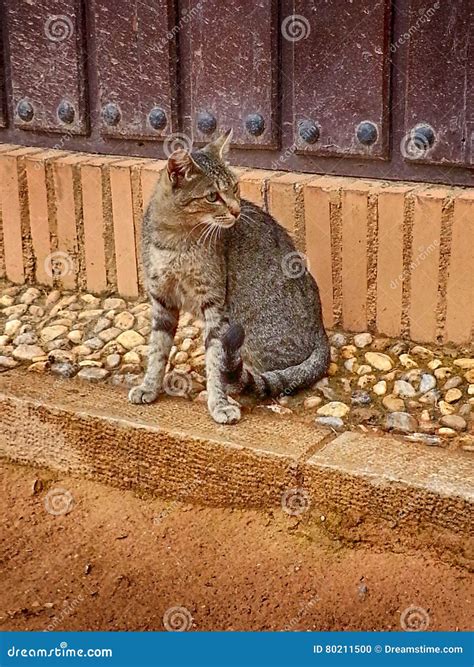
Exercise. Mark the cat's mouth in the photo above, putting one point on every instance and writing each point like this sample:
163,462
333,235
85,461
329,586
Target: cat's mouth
226,222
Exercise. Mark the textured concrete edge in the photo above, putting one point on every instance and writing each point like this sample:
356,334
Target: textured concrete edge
391,257
351,476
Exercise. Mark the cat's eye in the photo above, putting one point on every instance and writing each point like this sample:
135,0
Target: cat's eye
212,197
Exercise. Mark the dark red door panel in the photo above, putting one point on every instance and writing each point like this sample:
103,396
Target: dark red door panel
136,65
440,81
46,45
229,70
340,79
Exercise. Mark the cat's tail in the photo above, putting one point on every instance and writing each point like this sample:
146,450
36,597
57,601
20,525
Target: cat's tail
278,382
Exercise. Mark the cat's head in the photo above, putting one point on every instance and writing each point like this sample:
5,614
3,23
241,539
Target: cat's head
202,185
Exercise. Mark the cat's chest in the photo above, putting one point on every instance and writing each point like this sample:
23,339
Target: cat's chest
186,275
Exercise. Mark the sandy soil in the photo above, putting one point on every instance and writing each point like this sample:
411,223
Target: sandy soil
119,562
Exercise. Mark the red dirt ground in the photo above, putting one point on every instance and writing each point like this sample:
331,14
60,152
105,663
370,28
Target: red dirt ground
111,564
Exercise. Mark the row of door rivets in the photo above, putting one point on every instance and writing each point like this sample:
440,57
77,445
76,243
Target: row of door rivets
254,123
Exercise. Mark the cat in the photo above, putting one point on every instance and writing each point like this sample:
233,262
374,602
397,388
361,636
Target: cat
208,252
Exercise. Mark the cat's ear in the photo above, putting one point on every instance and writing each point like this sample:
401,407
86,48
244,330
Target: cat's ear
180,166
222,144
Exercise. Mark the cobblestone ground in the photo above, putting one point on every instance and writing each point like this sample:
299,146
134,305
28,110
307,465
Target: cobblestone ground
425,393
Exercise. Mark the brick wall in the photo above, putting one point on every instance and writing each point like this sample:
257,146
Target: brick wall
392,257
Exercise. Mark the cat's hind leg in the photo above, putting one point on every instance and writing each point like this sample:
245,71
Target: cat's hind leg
164,323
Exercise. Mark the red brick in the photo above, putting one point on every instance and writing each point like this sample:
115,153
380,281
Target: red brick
93,217
252,185
318,195
354,255
391,211
424,270
36,176
460,287
124,230
285,203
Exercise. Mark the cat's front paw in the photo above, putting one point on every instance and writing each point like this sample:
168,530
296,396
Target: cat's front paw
142,394
225,413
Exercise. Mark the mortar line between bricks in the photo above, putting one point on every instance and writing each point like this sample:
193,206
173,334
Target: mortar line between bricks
312,449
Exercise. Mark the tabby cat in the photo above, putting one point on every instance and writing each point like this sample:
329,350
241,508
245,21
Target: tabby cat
222,258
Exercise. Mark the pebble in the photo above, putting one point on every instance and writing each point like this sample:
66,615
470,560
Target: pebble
427,382
124,321
312,402
380,388
95,343
431,397
332,422
407,361
470,390
453,395
378,360
403,389
434,364
64,369
12,327
27,352
362,340
364,369
442,372
453,382
75,336
130,339
469,376
27,338
109,334
114,303
393,404
50,333
112,361
424,437
402,422
447,432
15,311
360,398
7,362
334,409
446,408
454,421
422,352
93,374
6,300
466,364
338,340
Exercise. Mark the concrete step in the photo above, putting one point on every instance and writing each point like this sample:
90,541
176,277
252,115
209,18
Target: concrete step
361,485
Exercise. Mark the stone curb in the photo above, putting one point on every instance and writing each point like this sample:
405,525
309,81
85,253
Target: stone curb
173,449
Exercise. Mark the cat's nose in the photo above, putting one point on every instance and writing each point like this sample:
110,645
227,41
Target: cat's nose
235,210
